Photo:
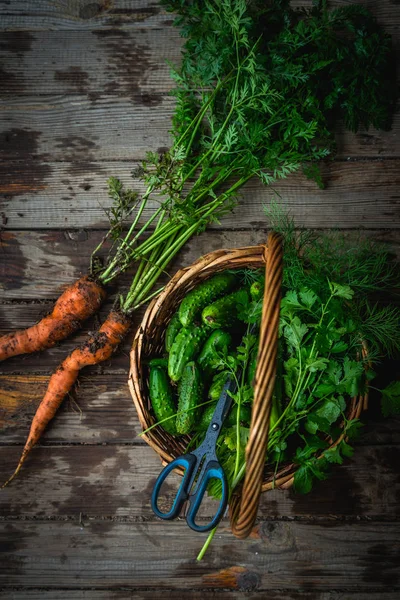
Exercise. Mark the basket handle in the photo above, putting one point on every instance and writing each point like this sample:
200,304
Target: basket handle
243,507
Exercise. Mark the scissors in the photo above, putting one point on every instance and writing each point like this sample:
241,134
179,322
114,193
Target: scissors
204,462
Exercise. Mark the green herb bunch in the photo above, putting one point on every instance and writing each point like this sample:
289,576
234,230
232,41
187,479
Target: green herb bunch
258,93
270,83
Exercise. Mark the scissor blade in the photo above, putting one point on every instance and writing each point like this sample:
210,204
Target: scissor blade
223,406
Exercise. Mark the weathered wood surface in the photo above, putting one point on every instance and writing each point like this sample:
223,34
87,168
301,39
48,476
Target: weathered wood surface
115,127
83,95
110,128
36,265
204,594
100,411
116,481
104,61
79,15
82,14
128,61
279,555
74,195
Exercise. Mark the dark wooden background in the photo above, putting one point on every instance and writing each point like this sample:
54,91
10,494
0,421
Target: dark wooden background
83,95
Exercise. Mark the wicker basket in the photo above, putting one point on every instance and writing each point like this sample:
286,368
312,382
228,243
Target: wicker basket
149,341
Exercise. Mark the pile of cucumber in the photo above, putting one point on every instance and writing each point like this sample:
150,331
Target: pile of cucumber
185,383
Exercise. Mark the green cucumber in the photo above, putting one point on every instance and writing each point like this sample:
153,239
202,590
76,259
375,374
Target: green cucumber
191,390
173,328
223,312
206,417
206,292
215,350
158,361
217,385
244,415
185,348
161,398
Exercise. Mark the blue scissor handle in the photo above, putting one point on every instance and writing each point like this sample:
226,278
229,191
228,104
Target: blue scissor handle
213,471
188,461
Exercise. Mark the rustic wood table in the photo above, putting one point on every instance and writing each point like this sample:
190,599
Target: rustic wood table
84,94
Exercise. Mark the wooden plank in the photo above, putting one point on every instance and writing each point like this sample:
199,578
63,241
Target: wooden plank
103,410
58,258
107,411
96,63
116,481
357,557
110,62
22,15
204,594
81,127
29,594
74,195
36,265
76,128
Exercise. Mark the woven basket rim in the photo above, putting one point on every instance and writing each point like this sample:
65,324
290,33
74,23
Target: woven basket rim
163,443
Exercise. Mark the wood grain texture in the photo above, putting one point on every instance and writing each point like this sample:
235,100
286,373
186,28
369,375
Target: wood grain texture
103,62
100,410
284,555
36,265
76,128
73,125
74,195
21,15
204,594
117,481
24,15
110,62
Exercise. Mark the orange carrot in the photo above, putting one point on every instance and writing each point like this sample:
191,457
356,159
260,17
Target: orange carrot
79,301
97,348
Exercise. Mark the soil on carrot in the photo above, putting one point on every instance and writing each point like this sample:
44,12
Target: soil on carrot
99,340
